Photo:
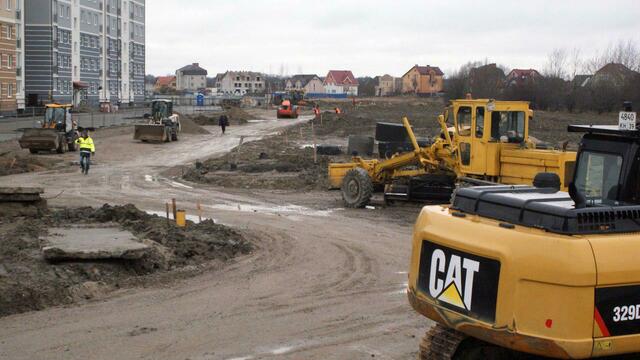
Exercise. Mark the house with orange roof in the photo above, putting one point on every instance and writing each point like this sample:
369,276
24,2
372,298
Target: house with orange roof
165,82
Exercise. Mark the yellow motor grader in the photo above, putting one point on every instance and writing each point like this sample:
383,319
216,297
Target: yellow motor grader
487,142
509,272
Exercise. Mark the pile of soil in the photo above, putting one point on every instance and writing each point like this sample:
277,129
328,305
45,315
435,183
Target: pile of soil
236,116
188,126
265,164
27,282
17,162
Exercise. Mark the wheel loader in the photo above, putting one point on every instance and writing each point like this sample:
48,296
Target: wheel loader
482,141
163,125
513,271
57,133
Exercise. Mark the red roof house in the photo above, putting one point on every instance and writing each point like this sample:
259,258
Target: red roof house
341,82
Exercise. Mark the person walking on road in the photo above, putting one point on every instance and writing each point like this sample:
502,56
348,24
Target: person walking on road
223,122
87,148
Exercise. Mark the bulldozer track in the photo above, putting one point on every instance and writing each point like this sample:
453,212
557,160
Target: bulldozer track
440,343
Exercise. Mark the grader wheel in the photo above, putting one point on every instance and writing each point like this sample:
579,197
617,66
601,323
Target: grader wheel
357,188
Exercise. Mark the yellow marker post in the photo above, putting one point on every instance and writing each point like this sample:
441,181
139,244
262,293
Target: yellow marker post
181,218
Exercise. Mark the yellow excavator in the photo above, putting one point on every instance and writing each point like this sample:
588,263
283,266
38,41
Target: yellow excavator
509,272
488,142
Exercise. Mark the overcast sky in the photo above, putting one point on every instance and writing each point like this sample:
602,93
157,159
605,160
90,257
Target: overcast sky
376,37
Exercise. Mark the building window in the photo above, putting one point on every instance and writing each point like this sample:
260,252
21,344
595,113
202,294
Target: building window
9,90
9,4
10,61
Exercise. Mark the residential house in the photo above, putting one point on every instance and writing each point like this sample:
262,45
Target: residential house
521,77
191,78
423,80
241,82
165,83
486,81
310,84
581,81
386,85
340,82
616,74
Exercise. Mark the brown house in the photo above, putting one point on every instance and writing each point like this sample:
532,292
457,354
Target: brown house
614,73
423,80
486,81
7,58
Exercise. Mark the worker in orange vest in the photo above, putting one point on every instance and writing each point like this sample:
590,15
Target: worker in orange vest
316,111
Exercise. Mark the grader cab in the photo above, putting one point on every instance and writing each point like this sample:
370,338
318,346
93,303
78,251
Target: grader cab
481,142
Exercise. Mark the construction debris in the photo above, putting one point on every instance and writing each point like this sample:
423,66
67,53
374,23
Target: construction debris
21,201
92,243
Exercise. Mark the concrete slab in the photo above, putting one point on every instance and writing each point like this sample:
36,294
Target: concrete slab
92,243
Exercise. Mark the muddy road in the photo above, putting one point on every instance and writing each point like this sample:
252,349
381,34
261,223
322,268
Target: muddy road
323,282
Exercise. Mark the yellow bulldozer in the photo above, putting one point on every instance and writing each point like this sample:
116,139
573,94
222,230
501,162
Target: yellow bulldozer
508,272
482,141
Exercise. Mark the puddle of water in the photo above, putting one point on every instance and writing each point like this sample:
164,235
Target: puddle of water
402,291
285,209
282,350
179,185
193,218
259,120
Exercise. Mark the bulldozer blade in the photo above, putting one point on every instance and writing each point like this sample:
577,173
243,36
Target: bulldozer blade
149,132
39,139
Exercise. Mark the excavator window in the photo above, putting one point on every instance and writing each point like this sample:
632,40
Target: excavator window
598,175
479,122
507,126
464,120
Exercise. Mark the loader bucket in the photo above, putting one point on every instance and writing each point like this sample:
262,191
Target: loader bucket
39,139
149,133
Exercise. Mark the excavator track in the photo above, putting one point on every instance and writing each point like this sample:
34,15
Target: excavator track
440,343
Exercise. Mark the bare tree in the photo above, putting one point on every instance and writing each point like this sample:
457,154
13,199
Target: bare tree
556,64
623,52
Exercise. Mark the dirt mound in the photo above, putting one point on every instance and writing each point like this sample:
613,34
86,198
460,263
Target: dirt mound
27,282
188,126
15,162
235,115
265,164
